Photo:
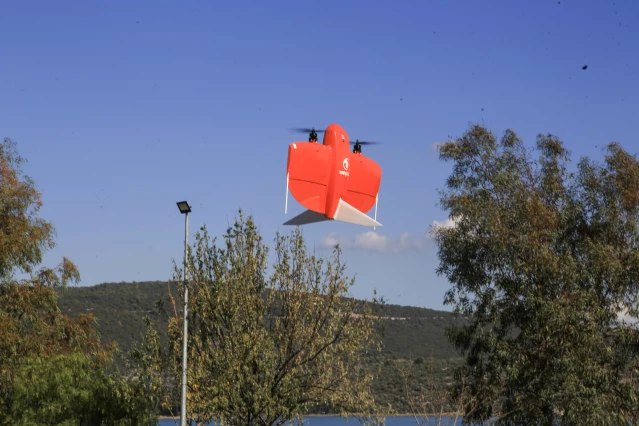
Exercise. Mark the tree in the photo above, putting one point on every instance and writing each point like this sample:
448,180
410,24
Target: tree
265,349
23,235
426,392
37,341
70,388
542,259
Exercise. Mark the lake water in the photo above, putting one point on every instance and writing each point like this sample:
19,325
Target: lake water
351,421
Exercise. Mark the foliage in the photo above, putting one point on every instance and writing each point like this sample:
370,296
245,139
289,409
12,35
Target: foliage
32,326
144,394
72,389
415,387
426,393
23,236
264,350
542,259
41,349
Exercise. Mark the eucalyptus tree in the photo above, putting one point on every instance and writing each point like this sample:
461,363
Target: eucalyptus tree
544,261
53,368
266,347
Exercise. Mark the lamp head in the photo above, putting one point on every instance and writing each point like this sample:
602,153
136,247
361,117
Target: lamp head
184,207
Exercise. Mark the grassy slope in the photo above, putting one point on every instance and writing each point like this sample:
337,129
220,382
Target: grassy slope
411,333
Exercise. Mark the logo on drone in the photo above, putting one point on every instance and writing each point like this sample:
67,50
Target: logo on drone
345,165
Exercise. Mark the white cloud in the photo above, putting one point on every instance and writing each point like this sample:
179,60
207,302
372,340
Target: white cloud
329,241
435,224
374,242
448,223
378,243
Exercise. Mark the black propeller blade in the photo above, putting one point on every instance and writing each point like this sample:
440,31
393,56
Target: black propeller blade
364,142
306,130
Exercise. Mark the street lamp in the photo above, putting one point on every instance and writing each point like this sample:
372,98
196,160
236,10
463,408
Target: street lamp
185,209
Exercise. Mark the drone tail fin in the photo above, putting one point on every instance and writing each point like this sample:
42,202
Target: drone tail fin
344,213
347,213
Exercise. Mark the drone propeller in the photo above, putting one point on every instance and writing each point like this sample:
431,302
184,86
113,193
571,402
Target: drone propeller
364,142
310,130
306,130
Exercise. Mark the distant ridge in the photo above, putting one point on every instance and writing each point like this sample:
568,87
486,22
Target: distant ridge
121,307
410,334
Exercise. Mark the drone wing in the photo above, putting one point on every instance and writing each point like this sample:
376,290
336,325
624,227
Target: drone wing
363,183
307,173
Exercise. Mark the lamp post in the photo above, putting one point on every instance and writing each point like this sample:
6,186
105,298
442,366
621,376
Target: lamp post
185,209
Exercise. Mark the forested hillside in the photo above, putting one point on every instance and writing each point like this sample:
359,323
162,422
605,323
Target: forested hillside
410,333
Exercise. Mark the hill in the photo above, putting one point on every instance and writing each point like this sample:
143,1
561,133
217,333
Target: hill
410,333
119,308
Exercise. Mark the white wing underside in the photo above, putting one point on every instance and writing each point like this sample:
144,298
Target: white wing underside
344,213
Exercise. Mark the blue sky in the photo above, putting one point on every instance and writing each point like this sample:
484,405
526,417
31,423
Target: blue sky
124,108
